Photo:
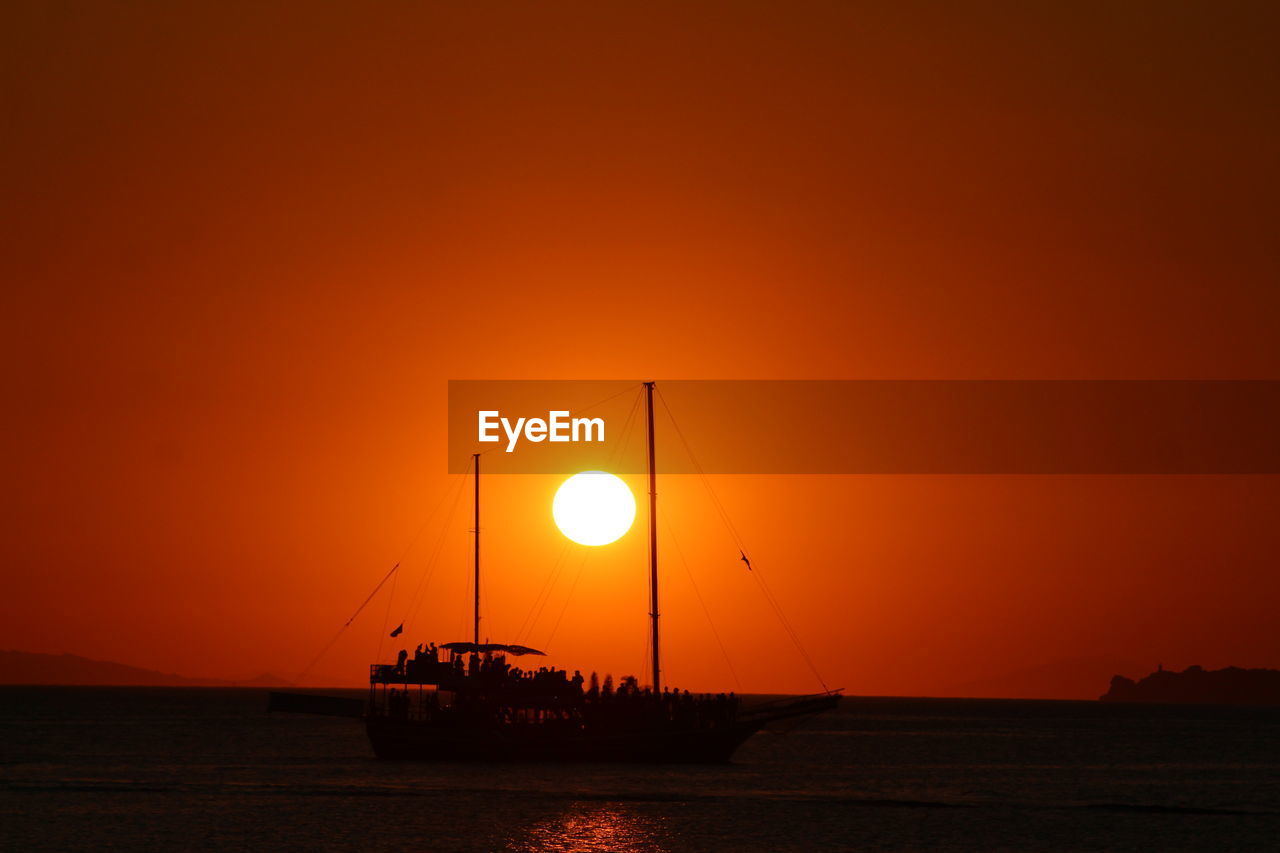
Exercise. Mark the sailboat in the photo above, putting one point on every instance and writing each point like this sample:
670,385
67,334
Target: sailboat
467,701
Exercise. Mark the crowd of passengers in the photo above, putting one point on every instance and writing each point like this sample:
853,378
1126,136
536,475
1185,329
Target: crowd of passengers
629,697
429,664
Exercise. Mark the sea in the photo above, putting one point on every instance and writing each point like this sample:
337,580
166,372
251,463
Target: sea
211,769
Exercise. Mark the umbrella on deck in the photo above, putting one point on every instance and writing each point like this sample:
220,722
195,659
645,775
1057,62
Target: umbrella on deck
465,648
524,650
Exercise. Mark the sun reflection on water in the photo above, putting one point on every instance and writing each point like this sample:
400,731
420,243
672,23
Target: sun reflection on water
593,826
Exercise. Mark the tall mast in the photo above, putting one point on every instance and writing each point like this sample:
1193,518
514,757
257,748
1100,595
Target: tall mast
653,543
476,626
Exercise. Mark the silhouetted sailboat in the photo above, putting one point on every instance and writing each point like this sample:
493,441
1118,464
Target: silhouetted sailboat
465,701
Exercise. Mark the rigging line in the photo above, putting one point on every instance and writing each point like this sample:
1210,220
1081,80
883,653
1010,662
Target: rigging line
737,538
702,474
573,586
536,615
795,638
548,588
382,635
302,675
705,610
624,444
602,402
455,490
405,553
698,469
786,623
307,671
414,541
432,560
625,438
543,590
385,578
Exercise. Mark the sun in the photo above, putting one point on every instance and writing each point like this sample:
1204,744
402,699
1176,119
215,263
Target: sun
594,508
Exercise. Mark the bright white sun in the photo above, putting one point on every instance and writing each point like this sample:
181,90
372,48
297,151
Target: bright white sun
594,508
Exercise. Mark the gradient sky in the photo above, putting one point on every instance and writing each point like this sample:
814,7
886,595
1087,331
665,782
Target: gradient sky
247,244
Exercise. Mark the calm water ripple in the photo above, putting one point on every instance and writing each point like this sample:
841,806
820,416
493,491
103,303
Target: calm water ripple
126,768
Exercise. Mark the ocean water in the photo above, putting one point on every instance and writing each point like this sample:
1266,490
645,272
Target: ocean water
208,769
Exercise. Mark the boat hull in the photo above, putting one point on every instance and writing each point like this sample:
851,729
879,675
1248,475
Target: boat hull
406,739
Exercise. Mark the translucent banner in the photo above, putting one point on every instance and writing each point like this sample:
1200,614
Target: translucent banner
867,427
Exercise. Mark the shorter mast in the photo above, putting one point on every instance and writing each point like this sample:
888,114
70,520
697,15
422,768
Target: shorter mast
475,632
653,544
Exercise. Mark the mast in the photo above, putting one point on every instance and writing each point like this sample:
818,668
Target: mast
653,543
475,633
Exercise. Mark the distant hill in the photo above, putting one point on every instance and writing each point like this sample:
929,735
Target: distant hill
1075,678
266,679
1194,685
31,668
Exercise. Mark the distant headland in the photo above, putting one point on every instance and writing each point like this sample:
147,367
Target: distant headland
30,668
1195,685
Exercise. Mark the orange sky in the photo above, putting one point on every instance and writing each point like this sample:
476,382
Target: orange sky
248,244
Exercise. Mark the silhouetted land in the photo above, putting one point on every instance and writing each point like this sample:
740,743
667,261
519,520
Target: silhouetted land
38,669
1194,685
1073,678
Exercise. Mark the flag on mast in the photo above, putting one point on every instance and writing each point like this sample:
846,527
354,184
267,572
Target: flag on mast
398,630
